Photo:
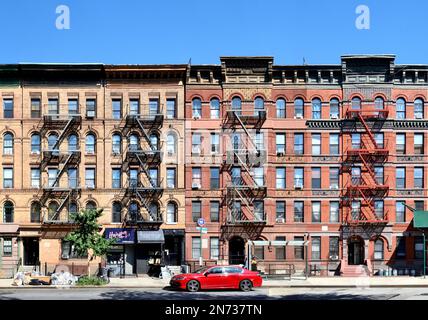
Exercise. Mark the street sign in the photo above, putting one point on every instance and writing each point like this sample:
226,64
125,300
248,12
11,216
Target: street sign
201,222
202,230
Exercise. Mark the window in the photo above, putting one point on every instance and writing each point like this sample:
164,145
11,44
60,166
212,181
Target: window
298,211
378,206
379,140
259,252
419,143
72,143
280,178
316,109
8,211
7,108
116,176
280,250
90,144
378,171
72,209
236,210
36,111
171,213
299,251
134,107
316,248
153,107
419,247
316,178
355,210
196,143
154,142
134,211
171,144
35,178
8,144
215,143
196,178
7,177
333,248
91,205
214,248
134,142
117,109
52,142
35,212
214,211
52,211
215,108
280,143
68,251
418,178
53,107
316,144
196,108
73,106
236,176
90,178
154,177
116,216
236,141
334,178
196,210
259,210
280,108
258,140
35,143
236,105
7,247
259,105
196,247
334,143
214,178
72,177
298,108
133,178
116,140
298,178
259,177
298,143
316,211
419,205
400,211
379,103
334,211
400,143
280,211
52,177
356,176
400,178
91,105
401,247
170,178
419,109
378,249
334,108
171,110
400,106
356,141
356,103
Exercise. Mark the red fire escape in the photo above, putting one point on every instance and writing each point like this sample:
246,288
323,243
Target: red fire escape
363,161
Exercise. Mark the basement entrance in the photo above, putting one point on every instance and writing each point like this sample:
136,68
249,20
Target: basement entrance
355,251
31,251
236,251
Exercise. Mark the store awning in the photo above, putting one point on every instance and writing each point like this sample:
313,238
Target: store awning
150,236
420,219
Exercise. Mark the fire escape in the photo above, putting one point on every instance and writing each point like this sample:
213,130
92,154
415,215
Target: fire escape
141,163
62,161
244,194
363,162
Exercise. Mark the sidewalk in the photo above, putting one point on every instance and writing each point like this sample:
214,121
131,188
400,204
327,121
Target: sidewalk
148,282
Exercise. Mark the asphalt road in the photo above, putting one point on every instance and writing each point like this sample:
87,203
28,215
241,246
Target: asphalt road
257,294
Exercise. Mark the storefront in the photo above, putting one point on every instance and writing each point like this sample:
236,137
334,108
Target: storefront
120,257
149,252
174,247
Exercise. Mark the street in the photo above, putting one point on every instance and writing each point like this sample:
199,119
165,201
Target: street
386,293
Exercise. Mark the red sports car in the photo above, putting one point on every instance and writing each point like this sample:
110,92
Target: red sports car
218,277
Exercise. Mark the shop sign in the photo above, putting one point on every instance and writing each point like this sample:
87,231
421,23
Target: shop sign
122,235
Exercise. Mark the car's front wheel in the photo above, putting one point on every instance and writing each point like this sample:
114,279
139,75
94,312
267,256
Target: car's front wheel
245,285
193,286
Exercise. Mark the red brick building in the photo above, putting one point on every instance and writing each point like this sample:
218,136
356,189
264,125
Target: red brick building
307,166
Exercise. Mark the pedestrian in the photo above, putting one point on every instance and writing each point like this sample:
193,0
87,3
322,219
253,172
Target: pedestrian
253,264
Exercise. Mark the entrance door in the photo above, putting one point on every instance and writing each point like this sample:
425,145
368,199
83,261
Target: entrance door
356,252
31,251
236,251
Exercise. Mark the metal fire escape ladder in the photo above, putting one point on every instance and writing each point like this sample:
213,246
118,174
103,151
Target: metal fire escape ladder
146,136
144,169
63,133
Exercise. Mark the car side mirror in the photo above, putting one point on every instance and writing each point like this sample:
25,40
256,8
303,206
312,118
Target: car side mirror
206,274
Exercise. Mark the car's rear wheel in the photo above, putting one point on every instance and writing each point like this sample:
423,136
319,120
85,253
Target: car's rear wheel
245,285
193,286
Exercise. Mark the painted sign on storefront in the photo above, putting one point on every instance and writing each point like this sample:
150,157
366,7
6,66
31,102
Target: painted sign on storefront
122,235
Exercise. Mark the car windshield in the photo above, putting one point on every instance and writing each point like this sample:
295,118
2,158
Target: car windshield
201,270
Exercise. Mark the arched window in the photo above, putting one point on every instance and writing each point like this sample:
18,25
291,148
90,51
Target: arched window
400,106
35,143
378,249
72,210
8,212
90,143
379,103
170,144
116,215
154,211
334,108
215,108
280,108
116,143
316,108
356,103
133,211
52,139
259,105
52,210
154,141
8,143
419,109
35,212
298,108
171,213
237,104
90,205
72,142
196,108
133,142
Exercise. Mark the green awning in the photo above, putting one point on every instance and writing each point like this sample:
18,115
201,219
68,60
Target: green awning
420,219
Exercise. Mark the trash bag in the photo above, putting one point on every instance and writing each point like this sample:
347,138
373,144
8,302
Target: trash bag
63,278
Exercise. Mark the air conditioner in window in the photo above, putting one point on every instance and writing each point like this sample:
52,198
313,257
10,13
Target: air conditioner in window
280,220
196,150
298,186
418,116
334,257
196,185
334,187
333,116
170,153
196,116
298,117
280,153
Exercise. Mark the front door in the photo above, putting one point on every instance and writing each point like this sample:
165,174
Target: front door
31,251
237,251
356,252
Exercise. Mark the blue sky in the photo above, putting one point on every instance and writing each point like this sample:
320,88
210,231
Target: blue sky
172,31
